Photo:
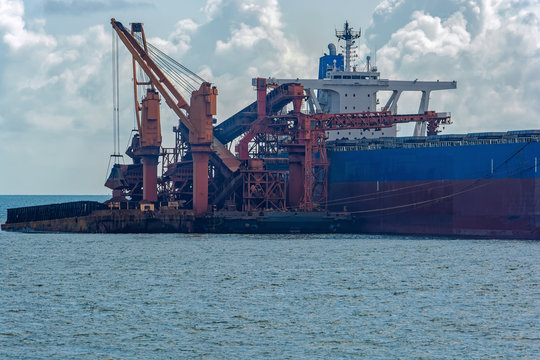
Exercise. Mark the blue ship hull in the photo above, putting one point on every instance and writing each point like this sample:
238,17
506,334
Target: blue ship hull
487,185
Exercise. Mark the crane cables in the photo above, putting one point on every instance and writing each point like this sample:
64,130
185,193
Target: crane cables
116,96
183,79
115,156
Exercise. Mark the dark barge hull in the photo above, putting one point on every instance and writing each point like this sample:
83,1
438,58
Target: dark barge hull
419,222
41,219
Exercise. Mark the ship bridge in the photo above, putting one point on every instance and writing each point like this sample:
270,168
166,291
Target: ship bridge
340,89
356,91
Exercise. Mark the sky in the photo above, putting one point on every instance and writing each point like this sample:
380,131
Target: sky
56,130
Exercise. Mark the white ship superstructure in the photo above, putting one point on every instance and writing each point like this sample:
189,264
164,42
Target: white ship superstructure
341,89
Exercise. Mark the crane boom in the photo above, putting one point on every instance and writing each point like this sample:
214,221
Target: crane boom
172,97
198,127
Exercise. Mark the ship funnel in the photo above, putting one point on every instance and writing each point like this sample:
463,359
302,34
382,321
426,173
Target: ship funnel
332,49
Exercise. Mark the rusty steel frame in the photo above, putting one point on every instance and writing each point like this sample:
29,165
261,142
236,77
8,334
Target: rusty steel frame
304,138
264,190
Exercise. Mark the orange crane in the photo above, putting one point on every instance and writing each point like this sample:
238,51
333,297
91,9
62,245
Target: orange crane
197,116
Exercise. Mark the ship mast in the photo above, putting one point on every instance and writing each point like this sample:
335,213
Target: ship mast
349,35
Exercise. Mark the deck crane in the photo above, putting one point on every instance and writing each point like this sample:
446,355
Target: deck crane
196,116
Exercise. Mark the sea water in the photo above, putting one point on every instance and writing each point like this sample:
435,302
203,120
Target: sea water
158,296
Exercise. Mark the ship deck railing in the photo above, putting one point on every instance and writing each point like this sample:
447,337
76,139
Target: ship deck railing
412,142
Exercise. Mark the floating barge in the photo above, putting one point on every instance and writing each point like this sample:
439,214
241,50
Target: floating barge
95,217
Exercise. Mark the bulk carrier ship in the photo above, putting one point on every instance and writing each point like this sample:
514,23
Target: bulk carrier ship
332,163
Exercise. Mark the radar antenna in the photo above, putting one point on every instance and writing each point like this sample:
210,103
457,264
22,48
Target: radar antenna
349,36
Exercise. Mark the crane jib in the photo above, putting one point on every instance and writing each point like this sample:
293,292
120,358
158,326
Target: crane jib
198,121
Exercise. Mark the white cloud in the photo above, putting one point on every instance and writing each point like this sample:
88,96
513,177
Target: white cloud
283,56
425,34
56,95
490,48
178,42
88,6
211,8
12,25
387,6
269,27
67,69
242,37
249,40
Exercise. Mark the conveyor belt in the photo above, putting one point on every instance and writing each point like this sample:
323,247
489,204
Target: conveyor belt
240,122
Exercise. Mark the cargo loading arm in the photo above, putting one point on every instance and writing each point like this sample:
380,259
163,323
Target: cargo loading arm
377,120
